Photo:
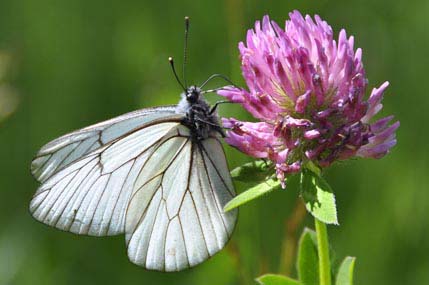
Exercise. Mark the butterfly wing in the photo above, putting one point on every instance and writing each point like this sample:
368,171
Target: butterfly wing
67,149
89,193
175,217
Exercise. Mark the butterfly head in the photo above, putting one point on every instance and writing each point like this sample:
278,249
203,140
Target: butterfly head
193,94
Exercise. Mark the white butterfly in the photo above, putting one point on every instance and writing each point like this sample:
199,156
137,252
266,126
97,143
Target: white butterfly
159,175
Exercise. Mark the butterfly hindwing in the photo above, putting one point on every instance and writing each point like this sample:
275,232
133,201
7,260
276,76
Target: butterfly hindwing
175,217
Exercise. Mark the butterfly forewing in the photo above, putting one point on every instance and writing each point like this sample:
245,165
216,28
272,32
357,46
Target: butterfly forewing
90,195
67,149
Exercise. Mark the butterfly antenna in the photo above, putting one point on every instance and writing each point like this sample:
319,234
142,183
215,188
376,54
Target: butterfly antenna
217,76
185,49
170,59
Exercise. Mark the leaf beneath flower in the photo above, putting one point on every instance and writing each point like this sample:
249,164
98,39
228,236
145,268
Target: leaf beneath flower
254,171
345,273
307,263
274,279
253,193
318,197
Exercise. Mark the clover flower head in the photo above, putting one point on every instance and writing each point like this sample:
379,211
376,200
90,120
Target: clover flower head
308,93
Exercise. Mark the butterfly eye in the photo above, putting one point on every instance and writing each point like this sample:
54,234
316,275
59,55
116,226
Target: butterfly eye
192,95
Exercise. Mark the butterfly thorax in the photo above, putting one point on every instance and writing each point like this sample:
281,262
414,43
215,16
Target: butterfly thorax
202,121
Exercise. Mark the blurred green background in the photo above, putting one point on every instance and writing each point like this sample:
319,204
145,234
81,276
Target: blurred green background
74,63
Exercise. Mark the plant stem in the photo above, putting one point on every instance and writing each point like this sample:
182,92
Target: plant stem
323,251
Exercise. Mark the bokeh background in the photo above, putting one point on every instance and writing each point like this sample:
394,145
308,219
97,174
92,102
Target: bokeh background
67,64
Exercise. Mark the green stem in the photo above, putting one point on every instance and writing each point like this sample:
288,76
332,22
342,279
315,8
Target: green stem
323,251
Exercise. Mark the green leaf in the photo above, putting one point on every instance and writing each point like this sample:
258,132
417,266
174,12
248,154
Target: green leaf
314,168
253,193
345,273
273,279
318,197
254,171
307,263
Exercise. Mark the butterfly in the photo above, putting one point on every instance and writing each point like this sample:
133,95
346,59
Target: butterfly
158,175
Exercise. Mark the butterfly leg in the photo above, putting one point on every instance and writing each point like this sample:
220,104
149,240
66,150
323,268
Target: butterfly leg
215,127
213,109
